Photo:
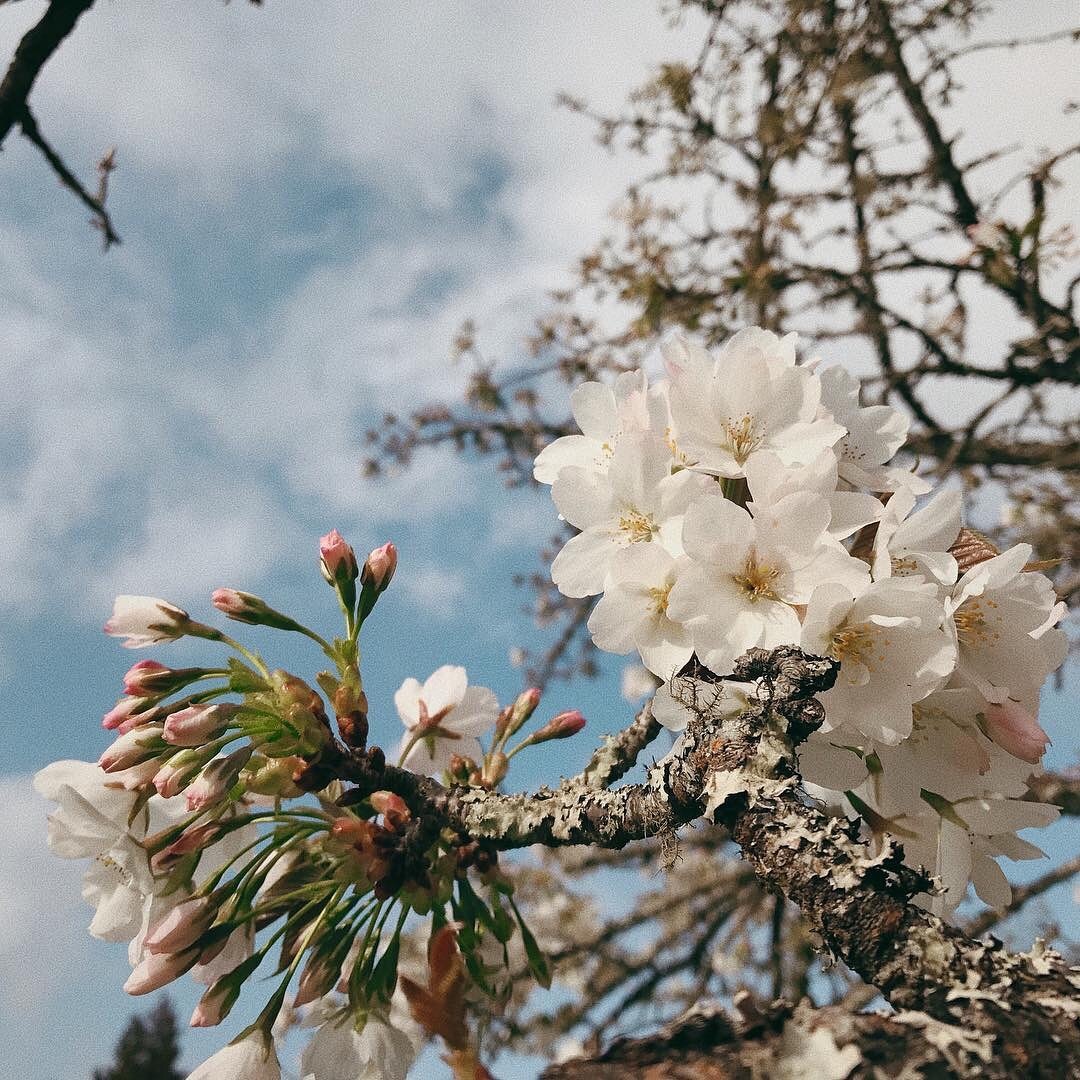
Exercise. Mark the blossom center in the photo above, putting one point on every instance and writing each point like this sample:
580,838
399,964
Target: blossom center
858,643
742,436
638,528
659,598
758,580
972,627
110,863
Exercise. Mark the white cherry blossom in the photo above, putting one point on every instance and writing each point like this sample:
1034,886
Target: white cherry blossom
603,413
1004,619
633,612
253,1057
893,651
918,544
750,399
769,480
747,574
874,434
637,501
383,1048
452,712
145,620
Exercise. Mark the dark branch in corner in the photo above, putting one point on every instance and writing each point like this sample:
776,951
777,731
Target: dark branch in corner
31,54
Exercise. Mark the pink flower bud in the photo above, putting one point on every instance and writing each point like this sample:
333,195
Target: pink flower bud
561,726
138,776
317,979
337,560
247,608
148,678
132,748
129,712
214,1005
232,602
179,771
139,675
216,779
201,836
181,927
159,969
198,724
145,620
1016,731
511,719
379,568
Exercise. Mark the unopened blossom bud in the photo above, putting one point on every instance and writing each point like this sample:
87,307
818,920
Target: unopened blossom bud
337,560
216,779
460,769
247,608
559,727
182,926
191,840
146,620
180,770
1016,731
318,977
129,712
138,776
132,748
198,724
158,970
218,1001
148,677
512,717
379,568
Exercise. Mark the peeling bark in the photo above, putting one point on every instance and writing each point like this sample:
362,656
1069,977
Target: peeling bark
708,1044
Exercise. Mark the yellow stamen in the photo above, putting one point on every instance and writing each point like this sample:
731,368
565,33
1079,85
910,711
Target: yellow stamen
638,527
659,597
757,579
742,438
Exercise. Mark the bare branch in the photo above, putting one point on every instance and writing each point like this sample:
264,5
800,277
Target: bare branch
96,203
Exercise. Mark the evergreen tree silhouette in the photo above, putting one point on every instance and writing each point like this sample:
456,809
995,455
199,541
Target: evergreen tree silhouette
148,1048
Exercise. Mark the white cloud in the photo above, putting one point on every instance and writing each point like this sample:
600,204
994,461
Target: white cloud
436,591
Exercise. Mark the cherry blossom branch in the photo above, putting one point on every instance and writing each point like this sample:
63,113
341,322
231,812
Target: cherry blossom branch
741,771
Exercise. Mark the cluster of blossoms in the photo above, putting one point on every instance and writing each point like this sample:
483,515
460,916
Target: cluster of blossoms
749,500
219,832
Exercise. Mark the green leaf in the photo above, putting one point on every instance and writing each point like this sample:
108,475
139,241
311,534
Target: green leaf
384,975
242,679
538,962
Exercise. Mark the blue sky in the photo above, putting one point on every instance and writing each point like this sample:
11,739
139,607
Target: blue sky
311,202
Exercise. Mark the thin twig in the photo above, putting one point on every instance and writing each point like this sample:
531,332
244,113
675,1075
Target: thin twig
96,203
